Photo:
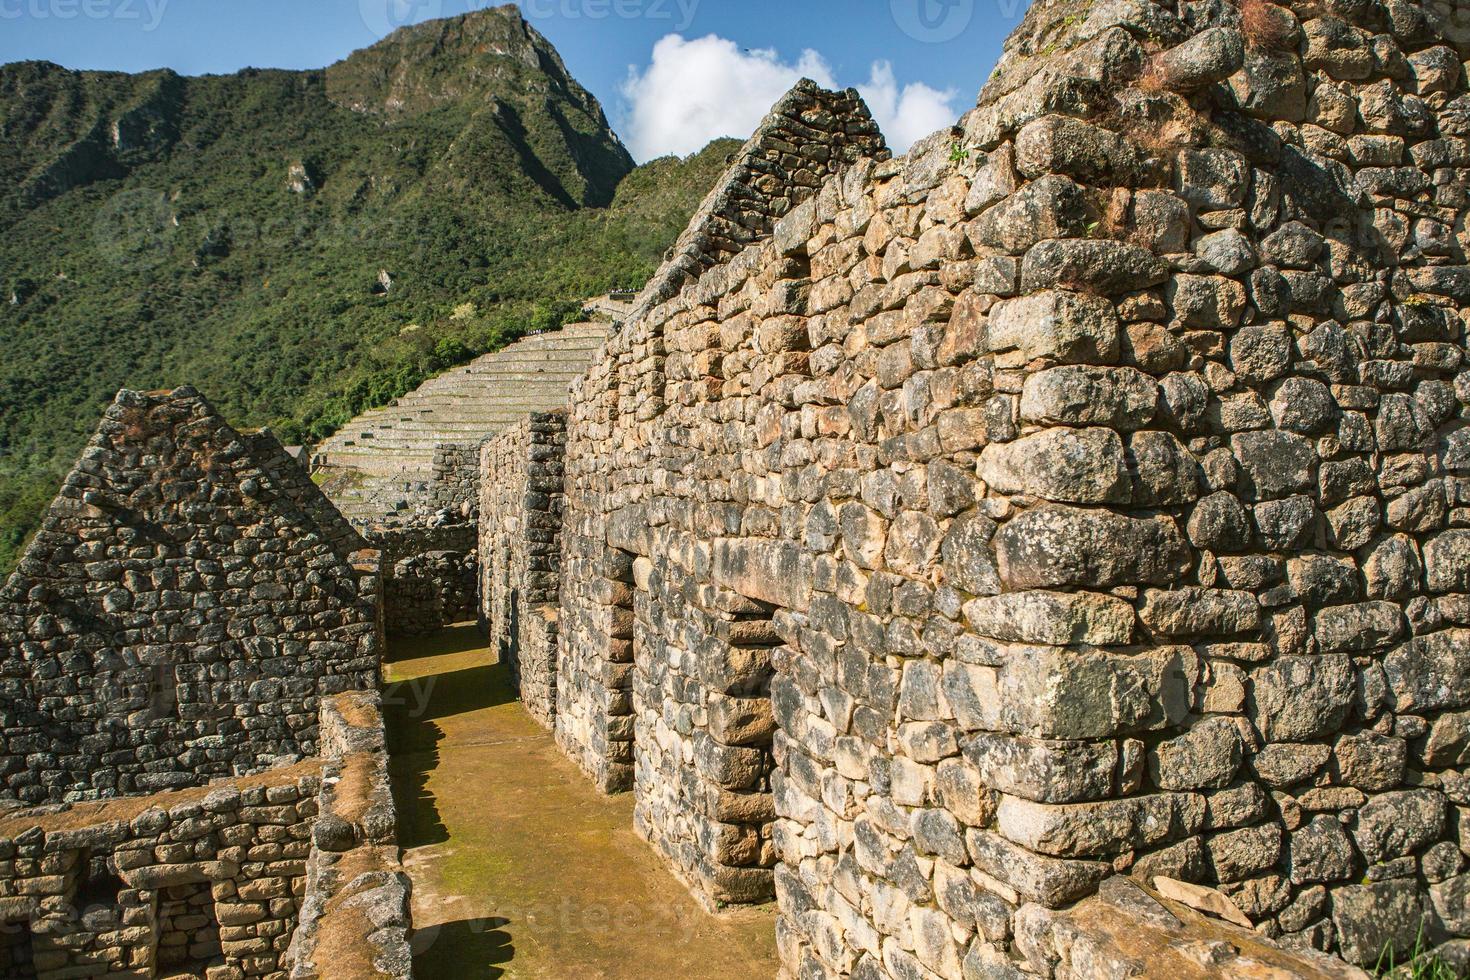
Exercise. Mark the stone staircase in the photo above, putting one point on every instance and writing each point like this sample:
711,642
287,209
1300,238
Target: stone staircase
381,463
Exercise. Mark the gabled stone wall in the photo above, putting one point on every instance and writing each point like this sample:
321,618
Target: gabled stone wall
806,136
1099,468
180,613
520,553
292,478
809,136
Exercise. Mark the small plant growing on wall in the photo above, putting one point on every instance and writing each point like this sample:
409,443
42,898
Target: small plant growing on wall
1421,964
1266,26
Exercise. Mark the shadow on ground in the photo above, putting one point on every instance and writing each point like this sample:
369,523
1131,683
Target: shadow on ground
445,950
444,680
520,868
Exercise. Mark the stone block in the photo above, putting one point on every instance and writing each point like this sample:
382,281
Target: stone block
1041,770
1193,611
1097,265
1081,395
1101,828
1205,757
1300,698
1068,327
1371,919
1079,466
1050,881
1055,692
776,572
1062,546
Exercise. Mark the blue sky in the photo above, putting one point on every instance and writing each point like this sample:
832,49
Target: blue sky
918,61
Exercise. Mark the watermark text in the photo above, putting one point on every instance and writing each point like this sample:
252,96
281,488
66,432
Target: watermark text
148,13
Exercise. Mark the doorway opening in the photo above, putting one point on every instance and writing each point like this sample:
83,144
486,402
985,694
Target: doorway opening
17,951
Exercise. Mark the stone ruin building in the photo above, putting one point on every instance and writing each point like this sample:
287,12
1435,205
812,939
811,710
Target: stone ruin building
188,600
192,769
1043,554
1076,504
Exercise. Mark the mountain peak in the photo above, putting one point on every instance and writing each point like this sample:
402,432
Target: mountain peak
498,80
422,65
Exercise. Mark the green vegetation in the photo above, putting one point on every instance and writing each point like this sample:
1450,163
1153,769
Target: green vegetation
1422,964
302,246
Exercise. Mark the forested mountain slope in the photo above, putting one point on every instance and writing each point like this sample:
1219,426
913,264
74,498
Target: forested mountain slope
301,245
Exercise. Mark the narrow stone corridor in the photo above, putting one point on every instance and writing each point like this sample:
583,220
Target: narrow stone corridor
520,868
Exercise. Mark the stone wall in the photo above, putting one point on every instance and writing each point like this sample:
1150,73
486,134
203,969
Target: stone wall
521,478
455,484
161,885
429,575
263,876
809,135
355,912
702,732
1098,469
184,606
805,138
290,475
430,591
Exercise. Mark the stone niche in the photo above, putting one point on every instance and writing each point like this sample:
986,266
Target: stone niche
1082,495
188,600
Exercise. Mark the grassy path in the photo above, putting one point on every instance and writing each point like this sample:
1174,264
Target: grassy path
520,868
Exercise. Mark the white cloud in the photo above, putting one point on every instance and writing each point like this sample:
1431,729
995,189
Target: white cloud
693,91
908,114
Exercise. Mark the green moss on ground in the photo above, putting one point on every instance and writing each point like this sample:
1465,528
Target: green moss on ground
520,868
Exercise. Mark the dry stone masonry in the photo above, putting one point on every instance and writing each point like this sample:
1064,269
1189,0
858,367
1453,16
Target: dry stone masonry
521,479
354,919
808,136
1045,554
454,485
176,883
194,609
187,602
1083,495
251,877
429,574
